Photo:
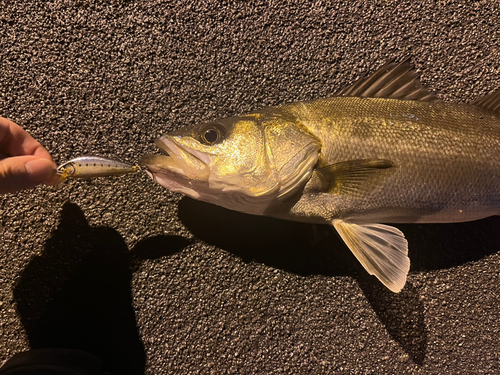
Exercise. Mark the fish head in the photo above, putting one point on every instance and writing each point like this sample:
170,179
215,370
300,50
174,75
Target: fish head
228,162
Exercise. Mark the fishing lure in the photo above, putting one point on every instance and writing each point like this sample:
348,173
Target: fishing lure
93,166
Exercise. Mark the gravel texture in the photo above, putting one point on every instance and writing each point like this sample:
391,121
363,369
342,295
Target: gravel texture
156,283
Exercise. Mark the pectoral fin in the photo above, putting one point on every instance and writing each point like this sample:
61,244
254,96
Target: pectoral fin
354,177
381,249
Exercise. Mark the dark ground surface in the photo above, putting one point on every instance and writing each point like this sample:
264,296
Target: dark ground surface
156,283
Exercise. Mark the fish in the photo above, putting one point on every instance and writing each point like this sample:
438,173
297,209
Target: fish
92,166
384,150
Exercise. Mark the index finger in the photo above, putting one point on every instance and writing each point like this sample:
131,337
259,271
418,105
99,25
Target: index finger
15,141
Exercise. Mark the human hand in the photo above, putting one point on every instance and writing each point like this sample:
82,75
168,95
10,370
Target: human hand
24,162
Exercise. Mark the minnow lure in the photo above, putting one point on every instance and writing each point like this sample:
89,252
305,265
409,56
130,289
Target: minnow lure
93,166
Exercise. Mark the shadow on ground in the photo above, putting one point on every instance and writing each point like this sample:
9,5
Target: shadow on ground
307,249
77,295
401,313
315,249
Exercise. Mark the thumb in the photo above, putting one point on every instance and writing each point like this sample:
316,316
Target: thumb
23,172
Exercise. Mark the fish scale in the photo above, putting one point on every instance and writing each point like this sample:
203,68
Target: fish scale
448,156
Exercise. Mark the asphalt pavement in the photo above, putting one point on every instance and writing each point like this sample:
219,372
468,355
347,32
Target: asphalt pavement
153,282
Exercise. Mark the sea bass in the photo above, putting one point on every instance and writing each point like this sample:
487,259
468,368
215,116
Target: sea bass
384,150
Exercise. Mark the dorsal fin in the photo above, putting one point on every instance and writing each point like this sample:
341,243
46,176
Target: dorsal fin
490,102
391,81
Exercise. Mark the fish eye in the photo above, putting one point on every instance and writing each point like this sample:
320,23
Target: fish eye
211,136
212,133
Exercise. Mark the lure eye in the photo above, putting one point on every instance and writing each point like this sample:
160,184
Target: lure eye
66,169
212,134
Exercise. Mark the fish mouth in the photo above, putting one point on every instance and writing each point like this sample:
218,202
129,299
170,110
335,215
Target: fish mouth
176,161
162,146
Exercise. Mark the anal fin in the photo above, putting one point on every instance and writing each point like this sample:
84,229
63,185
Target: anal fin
381,249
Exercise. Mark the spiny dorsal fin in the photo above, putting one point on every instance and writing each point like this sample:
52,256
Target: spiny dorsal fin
490,102
354,177
391,81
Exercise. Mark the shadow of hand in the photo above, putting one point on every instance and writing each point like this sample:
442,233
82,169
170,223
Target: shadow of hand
77,293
